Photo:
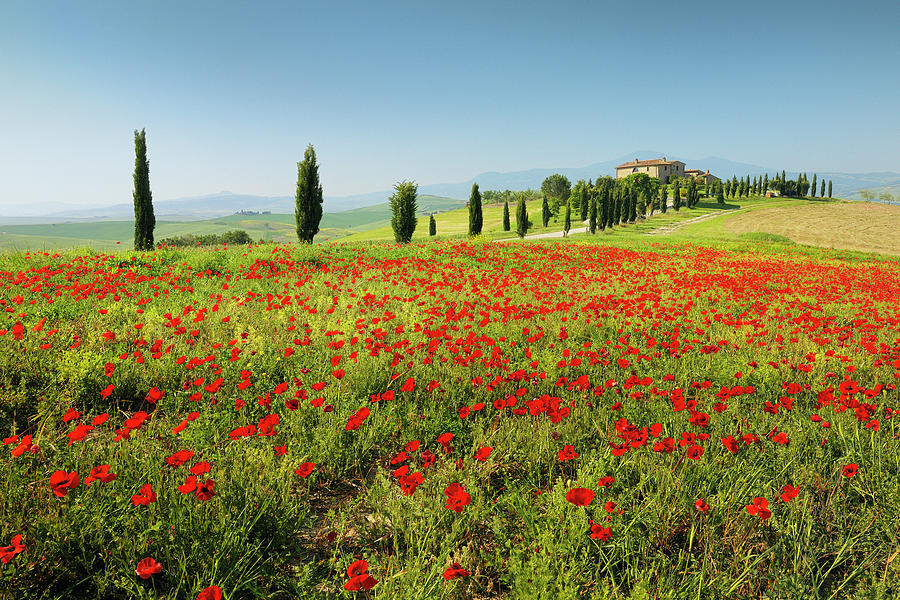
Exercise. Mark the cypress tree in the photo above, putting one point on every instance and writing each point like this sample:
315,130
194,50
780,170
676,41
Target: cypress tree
720,196
676,196
476,218
522,217
692,193
632,205
567,221
308,199
822,190
829,189
592,223
600,199
506,215
432,226
144,219
812,188
545,211
765,184
663,198
403,209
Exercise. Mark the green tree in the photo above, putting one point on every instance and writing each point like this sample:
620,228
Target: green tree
720,195
592,216
812,188
567,221
144,219
829,189
692,195
506,215
557,186
822,190
663,198
308,199
476,217
676,196
403,209
545,210
522,222
432,226
765,187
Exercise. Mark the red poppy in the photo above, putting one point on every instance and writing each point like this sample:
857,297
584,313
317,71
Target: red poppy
580,496
694,452
179,458
100,473
360,580
701,505
189,485
455,571
568,453
601,533
61,482
200,468
457,497
760,507
305,469
147,568
154,395
146,496
790,492
849,470
213,592
205,490
606,481
482,454
7,553
79,433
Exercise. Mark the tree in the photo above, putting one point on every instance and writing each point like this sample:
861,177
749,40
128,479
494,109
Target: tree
829,189
676,196
432,226
692,196
522,222
720,195
567,221
822,190
557,186
144,219
813,186
663,198
476,218
866,194
506,215
403,209
592,222
545,211
765,187
308,199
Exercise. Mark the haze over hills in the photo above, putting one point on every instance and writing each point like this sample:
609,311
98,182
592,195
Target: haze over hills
846,185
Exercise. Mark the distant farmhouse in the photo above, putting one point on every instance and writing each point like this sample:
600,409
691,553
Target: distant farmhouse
662,169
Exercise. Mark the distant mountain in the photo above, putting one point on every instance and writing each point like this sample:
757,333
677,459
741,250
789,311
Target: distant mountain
846,185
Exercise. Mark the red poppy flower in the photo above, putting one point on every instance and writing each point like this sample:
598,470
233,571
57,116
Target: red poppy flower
482,454
205,490
179,458
580,496
100,473
360,580
108,369
457,497
61,482
154,395
568,453
760,507
147,568
455,571
849,470
606,481
790,492
200,468
189,485
305,469
409,483
701,505
146,496
79,433
213,592
7,553
601,533
694,452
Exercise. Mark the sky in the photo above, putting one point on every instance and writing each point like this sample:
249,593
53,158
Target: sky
231,94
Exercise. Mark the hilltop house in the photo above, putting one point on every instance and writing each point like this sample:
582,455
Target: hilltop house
663,169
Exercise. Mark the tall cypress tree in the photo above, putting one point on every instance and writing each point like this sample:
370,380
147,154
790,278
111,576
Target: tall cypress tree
144,219
829,189
765,187
506,215
600,200
476,217
692,193
822,190
432,226
592,223
663,198
308,199
812,189
522,222
403,210
720,196
567,220
676,196
545,211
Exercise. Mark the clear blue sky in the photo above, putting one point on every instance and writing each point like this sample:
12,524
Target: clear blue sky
231,94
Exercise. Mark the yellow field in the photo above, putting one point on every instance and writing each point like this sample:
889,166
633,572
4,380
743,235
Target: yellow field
862,226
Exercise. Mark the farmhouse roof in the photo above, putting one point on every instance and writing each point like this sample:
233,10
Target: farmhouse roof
648,163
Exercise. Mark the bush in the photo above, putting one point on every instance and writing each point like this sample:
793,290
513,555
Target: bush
236,237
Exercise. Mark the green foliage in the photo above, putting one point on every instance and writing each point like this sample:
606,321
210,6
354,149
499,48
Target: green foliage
144,219
308,198
676,195
476,218
506,225
545,211
567,221
432,226
556,186
522,221
403,209
720,194
234,237
829,189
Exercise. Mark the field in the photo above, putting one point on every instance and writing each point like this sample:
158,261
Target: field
619,417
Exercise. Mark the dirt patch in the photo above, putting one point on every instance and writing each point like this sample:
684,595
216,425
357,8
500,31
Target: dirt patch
862,226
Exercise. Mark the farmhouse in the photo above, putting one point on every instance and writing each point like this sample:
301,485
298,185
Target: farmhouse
700,176
663,169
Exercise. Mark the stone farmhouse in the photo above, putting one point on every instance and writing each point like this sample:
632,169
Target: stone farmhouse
662,169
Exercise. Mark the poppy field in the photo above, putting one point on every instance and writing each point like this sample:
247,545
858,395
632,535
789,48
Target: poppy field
449,420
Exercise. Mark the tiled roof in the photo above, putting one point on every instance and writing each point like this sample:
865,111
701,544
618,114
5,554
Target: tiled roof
648,163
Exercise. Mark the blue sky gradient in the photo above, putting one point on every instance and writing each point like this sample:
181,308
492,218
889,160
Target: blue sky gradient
231,94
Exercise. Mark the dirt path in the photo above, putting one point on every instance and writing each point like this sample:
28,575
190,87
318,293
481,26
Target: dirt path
666,229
